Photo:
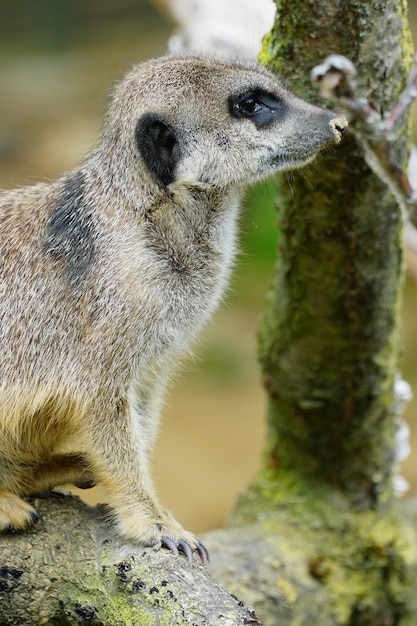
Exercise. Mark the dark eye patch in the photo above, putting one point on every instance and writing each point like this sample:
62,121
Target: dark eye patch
260,107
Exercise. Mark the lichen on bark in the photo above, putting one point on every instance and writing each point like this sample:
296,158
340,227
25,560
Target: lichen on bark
71,568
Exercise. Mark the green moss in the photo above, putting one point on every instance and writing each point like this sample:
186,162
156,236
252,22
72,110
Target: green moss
356,562
264,56
115,595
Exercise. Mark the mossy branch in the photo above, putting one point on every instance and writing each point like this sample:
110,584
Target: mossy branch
71,569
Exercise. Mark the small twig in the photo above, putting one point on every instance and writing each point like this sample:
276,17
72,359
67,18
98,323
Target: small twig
404,103
376,135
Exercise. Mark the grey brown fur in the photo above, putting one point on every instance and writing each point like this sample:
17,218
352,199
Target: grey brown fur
108,274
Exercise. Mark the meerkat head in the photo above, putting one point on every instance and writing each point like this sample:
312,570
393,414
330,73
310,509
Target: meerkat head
204,122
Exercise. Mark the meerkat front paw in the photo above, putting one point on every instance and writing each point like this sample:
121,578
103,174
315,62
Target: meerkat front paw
15,513
164,532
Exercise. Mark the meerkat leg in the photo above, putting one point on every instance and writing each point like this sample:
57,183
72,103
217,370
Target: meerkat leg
59,470
15,513
121,465
141,519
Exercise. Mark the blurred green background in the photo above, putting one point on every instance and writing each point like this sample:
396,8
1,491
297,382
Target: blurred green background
58,61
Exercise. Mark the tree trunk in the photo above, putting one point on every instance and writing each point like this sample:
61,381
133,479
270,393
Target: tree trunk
330,338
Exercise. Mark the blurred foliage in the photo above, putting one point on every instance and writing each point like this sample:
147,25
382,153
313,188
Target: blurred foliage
53,25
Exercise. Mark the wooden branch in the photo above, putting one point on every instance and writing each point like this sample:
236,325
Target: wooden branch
70,568
374,133
376,136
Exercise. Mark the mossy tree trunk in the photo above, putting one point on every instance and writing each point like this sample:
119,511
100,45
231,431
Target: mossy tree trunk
330,337
329,347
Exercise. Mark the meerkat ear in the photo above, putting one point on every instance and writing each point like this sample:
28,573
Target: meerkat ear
158,146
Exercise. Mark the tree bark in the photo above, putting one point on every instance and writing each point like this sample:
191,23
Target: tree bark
70,569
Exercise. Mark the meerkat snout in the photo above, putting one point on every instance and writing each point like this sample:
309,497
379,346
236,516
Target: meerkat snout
109,273
339,125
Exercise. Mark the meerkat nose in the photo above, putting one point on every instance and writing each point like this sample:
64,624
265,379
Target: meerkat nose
339,125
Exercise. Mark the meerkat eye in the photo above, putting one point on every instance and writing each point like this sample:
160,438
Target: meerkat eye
259,106
247,106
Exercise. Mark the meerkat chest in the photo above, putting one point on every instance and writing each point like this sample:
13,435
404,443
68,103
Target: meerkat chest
182,268
193,245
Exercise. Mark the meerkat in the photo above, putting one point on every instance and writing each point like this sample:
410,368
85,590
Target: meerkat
108,274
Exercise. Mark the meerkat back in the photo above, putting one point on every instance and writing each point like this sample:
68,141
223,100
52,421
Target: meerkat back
108,274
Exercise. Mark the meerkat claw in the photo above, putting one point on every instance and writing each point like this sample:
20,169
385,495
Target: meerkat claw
203,553
11,529
170,544
186,549
34,517
86,484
